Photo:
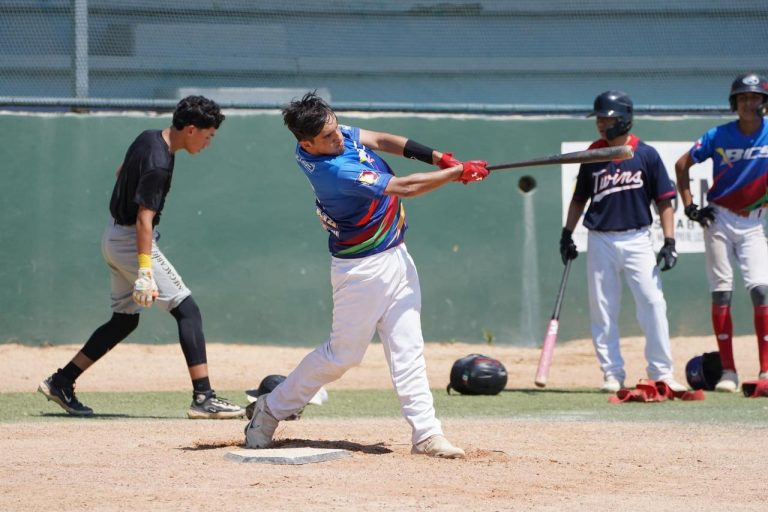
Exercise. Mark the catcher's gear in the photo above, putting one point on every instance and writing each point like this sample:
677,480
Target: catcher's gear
567,246
749,82
614,104
477,374
703,372
755,388
667,255
144,288
704,216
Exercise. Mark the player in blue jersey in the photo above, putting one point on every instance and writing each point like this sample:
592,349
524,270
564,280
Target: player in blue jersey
375,284
619,241
733,219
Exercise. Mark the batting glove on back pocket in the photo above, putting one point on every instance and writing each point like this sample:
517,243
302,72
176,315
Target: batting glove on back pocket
144,288
667,254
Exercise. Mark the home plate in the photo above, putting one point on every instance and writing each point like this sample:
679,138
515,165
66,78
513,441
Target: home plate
287,455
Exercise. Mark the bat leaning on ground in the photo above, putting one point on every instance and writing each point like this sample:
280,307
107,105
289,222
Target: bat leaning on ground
577,157
545,360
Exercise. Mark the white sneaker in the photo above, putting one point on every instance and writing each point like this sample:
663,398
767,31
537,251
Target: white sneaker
728,383
438,446
674,385
762,376
611,385
261,428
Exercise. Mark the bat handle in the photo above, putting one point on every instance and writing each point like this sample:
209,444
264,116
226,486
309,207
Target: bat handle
547,349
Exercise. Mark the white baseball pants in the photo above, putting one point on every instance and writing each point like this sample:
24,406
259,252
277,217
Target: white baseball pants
742,238
378,293
630,252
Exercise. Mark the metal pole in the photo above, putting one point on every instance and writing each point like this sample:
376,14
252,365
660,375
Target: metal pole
80,21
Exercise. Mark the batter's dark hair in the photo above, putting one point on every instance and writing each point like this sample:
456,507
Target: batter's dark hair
307,116
198,111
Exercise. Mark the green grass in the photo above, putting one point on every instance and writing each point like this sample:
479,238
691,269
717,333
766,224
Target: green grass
524,404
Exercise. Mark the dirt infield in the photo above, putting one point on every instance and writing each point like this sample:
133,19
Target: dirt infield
512,464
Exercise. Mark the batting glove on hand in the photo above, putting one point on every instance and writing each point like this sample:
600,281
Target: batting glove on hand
474,170
567,246
144,288
668,254
447,161
704,216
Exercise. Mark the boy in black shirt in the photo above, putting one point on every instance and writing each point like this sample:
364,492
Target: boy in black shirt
141,275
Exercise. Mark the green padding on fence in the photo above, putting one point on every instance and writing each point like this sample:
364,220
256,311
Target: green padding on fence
240,227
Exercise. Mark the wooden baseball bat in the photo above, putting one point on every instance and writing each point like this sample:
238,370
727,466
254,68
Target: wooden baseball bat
577,157
550,337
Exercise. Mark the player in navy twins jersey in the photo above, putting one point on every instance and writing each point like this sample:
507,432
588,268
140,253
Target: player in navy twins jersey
619,240
733,220
375,284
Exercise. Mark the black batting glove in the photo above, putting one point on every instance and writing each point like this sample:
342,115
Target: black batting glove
667,254
704,216
567,247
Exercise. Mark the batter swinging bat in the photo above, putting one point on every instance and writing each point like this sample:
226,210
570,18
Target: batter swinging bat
551,336
577,157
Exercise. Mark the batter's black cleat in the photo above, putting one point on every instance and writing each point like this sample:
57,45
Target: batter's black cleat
64,396
207,406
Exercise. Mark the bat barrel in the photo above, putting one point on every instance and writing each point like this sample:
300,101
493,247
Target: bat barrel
578,157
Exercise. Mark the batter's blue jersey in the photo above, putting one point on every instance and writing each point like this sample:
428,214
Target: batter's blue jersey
350,199
620,192
739,166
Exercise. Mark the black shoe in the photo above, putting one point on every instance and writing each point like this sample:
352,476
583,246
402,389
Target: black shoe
65,397
207,406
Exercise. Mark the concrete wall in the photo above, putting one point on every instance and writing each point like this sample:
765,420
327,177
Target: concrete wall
240,227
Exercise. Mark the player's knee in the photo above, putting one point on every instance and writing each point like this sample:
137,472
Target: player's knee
759,295
343,361
110,334
122,324
187,310
721,298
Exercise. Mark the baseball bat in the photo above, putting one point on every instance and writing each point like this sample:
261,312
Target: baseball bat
545,360
577,157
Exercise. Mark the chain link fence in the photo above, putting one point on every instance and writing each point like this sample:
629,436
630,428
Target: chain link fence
493,56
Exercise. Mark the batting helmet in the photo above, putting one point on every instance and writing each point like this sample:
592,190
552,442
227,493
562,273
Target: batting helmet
614,104
703,372
267,385
477,374
749,82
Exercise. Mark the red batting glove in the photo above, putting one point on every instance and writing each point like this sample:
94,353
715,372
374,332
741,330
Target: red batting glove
474,170
447,161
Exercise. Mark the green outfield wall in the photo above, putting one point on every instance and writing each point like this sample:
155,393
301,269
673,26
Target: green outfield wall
240,227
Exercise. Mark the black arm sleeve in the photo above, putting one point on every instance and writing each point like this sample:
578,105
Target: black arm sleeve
417,151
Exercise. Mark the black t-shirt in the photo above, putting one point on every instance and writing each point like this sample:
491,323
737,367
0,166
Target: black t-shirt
145,178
